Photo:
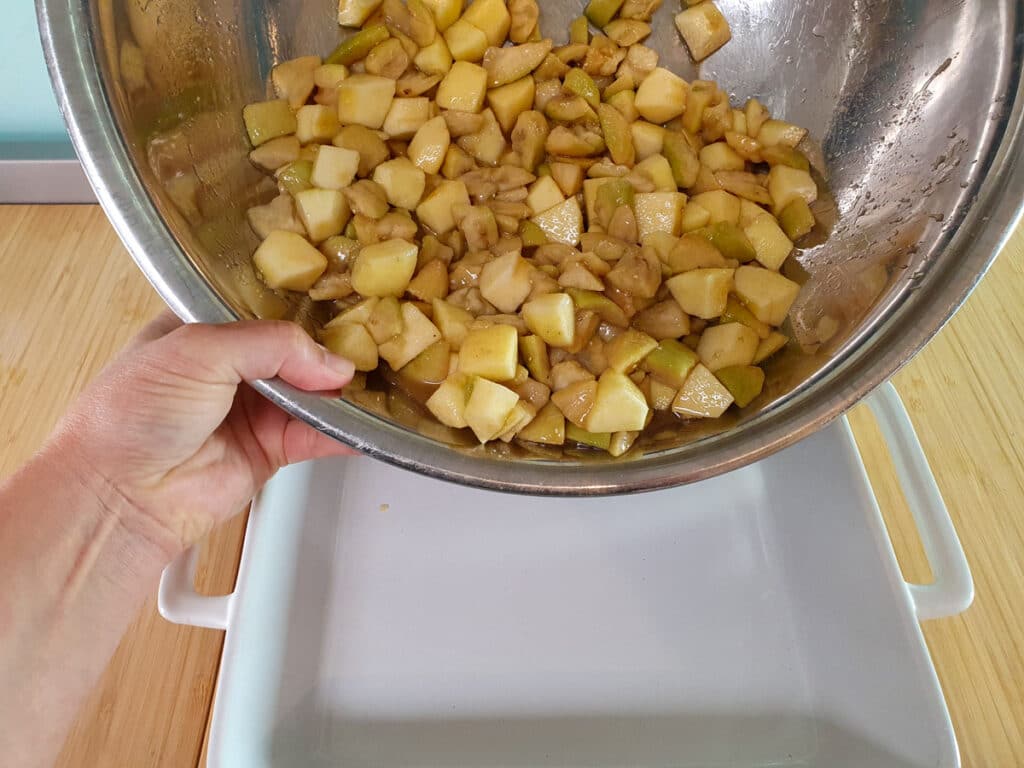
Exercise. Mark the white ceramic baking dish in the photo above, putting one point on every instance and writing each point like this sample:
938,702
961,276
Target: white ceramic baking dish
756,619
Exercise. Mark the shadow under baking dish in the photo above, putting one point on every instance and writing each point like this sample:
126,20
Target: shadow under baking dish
756,619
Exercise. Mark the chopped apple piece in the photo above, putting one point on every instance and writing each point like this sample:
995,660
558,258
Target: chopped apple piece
316,123
626,350
728,344
568,176
702,292
731,241
293,79
619,405
287,260
505,281
436,210
769,241
429,367
279,213
606,309
659,212
704,29
354,13
430,283
702,396
721,157
782,155
775,133
452,321
324,212
661,96
736,312
664,320
600,440
722,206
682,158
796,219
334,168
385,320
659,394
417,334
365,100
371,148
694,251
695,216
511,100
563,223
384,269
353,342
275,153
406,116
359,313
491,17
648,139
465,42
576,400
767,294
266,120
463,88
522,414
770,346
429,146
435,59
547,427
659,171
491,352
617,136
544,194
744,382
446,12
504,65
402,181
534,352
671,362
448,403
552,317
787,184
601,12
488,408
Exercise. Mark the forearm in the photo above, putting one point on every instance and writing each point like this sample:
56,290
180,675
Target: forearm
75,566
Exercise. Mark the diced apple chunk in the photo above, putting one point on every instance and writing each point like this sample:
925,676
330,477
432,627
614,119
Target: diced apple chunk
287,260
702,292
786,184
334,167
647,138
353,13
626,350
452,321
293,79
704,29
324,212
491,352
661,96
402,181
491,17
316,123
505,281
727,344
365,100
563,223
702,396
488,408
406,116
744,382
436,210
463,88
721,205
767,294
384,269
770,346
576,400
435,59
671,362
769,241
353,342
428,147
266,120
511,100
446,12
619,405
776,133
448,403
552,317
466,42
547,427
417,334
544,194
659,212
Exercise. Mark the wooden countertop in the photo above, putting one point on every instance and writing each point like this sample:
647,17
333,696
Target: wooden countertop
70,297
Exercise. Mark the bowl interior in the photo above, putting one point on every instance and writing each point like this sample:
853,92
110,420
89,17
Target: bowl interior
910,106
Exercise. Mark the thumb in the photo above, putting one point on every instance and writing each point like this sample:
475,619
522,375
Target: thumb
248,350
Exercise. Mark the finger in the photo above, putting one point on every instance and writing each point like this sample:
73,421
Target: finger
157,328
301,442
254,349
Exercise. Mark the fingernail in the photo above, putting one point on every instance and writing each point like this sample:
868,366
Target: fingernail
339,365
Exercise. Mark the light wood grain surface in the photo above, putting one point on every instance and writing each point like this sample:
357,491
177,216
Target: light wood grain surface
70,297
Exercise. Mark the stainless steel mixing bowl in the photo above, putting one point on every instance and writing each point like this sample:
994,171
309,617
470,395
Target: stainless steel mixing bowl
915,106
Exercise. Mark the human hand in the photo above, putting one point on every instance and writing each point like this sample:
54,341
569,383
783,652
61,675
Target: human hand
171,432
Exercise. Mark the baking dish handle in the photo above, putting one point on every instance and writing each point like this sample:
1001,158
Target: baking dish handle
178,601
952,590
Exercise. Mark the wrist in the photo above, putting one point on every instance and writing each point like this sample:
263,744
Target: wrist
130,527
